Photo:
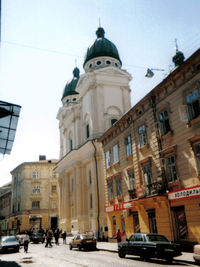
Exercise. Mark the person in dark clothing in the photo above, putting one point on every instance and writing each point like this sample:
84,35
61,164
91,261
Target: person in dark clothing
56,236
49,235
26,241
64,235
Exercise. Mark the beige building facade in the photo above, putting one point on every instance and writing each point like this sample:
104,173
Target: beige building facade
152,160
34,202
5,208
91,103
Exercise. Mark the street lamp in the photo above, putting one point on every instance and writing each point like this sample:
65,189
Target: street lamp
150,73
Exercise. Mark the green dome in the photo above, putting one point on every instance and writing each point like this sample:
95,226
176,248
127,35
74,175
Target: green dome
71,85
101,47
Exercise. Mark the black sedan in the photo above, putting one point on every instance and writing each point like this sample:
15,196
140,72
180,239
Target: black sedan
37,237
8,244
149,246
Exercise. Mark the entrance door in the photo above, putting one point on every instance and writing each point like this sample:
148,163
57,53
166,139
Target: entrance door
136,224
180,222
54,223
152,221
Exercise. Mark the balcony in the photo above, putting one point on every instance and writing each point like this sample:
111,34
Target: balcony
132,193
156,188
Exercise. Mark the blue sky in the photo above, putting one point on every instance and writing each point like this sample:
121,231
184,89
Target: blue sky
41,39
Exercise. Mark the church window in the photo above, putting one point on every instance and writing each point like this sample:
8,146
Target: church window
116,64
90,177
87,131
71,144
113,121
98,62
91,201
108,62
74,99
90,66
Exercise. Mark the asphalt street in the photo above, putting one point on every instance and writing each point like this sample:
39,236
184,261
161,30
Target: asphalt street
61,256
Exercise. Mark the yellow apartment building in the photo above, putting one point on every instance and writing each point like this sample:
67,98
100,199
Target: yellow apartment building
34,202
152,159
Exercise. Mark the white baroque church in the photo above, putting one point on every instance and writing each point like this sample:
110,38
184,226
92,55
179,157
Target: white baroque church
91,104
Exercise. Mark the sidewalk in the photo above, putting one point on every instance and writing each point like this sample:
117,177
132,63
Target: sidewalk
112,247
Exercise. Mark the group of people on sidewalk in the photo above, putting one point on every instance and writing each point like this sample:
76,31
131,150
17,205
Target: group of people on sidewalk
56,234
48,235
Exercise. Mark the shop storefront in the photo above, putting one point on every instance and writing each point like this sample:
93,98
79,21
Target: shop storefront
141,215
185,210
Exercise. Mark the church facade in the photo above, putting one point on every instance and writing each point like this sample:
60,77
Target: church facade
91,103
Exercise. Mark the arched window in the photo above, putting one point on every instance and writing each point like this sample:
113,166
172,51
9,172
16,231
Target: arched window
113,121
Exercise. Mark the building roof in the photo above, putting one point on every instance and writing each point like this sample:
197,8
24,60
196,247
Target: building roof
101,47
70,88
170,78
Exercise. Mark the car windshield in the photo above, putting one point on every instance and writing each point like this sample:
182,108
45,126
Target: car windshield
159,238
87,236
9,239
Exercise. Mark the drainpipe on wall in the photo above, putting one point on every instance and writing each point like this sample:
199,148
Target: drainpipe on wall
97,181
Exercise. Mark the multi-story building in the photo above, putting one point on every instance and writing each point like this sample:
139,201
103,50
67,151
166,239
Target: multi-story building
152,159
34,203
5,208
91,103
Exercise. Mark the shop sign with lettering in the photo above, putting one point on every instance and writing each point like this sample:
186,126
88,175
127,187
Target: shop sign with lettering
186,193
119,206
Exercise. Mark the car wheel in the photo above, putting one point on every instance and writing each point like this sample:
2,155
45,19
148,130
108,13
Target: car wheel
169,260
70,247
121,253
79,248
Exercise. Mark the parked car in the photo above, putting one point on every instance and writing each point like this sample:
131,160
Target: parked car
37,237
9,243
149,246
196,255
20,238
83,241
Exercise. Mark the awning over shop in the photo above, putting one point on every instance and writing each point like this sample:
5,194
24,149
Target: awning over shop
9,115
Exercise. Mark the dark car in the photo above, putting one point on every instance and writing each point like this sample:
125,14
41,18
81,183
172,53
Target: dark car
149,246
9,243
37,238
83,241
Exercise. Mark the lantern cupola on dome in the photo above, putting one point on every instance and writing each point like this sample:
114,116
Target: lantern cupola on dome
102,53
70,88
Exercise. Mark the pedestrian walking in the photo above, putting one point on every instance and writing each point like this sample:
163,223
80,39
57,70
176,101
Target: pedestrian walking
119,236
64,235
49,235
56,236
26,242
